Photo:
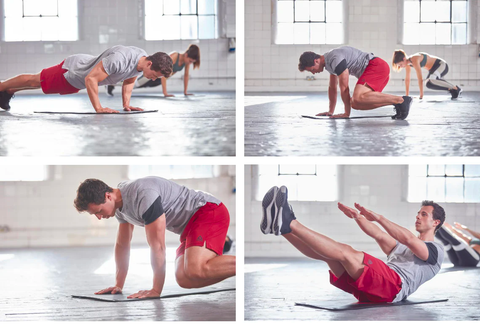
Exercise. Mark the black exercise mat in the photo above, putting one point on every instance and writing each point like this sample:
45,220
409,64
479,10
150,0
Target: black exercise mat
123,297
340,305
343,118
95,113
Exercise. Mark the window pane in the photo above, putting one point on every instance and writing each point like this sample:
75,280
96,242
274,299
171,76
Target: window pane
428,11
152,30
459,11
285,12
67,8
49,28
472,170
411,12
410,33
472,190
459,33
67,29
436,170
436,189
171,7
334,11
170,27
206,27
334,33
188,7
189,27
297,169
285,33
442,12
13,8
23,173
443,34
317,11
302,11
454,170
417,170
427,33
454,190
153,8
31,32
417,190
206,7
37,8
317,33
301,33
13,29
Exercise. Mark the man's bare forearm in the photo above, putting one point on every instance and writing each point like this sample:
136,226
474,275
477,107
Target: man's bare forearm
127,94
122,259
346,100
332,98
92,90
399,233
157,256
370,228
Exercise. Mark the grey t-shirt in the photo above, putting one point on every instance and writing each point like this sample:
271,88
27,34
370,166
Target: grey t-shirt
146,199
119,62
341,58
412,270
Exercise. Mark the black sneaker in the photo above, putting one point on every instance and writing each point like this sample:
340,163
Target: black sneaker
284,215
110,89
456,93
228,244
269,210
403,108
5,100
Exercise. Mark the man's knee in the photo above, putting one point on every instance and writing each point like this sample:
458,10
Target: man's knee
349,254
195,271
33,80
355,101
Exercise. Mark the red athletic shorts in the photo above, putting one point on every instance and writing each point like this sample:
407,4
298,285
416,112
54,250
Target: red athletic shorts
376,75
53,81
208,226
378,283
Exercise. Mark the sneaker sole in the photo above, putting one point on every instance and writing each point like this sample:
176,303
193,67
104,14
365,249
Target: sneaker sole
407,111
279,200
267,205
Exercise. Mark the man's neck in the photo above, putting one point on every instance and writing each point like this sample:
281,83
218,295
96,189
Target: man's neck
118,199
427,236
141,64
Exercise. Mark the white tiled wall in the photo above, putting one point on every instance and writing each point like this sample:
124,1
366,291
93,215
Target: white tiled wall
103,24
371,25
378,187
42,213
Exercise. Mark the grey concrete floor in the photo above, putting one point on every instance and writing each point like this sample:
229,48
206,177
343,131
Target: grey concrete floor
37,284
201,125
436,126
272,286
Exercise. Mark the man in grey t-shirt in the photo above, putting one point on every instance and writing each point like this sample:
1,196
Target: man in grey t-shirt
372,73
76,72
411,260
158,205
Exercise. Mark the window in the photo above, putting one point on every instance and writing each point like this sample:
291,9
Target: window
444,183
180,19
304,182
171,171
46,20
23,173
309,22
435,22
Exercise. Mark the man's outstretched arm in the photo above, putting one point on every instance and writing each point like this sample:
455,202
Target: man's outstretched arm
97,75
332,96
345,93
404,236
155,232
384,240
127,88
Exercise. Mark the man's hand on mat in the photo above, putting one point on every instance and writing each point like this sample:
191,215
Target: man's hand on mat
110,290
188,94
460,226
131,108
344,115
369,215
106,110
324,114
348,211
168,95
145,294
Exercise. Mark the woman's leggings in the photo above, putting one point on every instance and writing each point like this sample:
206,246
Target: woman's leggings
435,76
458,251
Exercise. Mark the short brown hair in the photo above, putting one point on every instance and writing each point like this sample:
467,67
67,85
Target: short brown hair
438,212
398,56
90,191
161,62
193,52
307,59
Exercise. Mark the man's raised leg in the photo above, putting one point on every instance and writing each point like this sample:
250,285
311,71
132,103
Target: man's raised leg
200,267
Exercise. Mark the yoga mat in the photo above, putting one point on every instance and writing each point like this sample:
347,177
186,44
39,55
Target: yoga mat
343,118
341,306
155,95
122,112
123,297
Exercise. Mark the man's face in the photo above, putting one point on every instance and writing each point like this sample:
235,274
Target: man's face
150,74
317,67
424,221
103,211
